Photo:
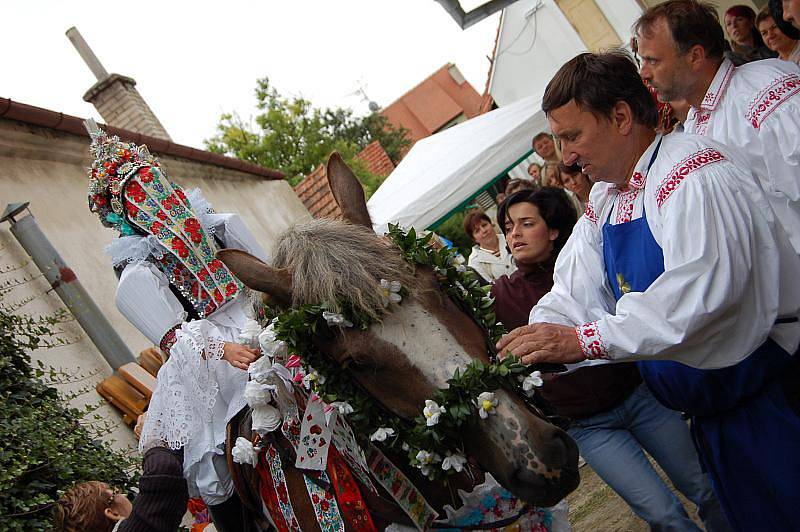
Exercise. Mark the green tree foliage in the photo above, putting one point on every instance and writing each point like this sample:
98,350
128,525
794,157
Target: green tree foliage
453,230
45,446
293,136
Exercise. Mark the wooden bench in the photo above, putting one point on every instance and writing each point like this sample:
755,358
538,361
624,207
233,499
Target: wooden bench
151,359
139,378
123,396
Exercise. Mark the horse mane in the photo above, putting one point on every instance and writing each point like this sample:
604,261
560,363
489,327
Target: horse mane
339,263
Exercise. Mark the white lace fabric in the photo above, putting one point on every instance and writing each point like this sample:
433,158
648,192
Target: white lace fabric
197,392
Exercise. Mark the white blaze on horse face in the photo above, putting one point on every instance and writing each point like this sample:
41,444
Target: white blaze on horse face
433,351
428,345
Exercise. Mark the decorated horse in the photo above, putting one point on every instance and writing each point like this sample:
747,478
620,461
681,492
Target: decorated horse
380,400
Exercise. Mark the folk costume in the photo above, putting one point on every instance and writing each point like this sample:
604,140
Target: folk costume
174,290
686,270
755,109
614,419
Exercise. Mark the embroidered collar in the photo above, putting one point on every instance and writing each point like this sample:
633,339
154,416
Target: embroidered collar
718,86
639,177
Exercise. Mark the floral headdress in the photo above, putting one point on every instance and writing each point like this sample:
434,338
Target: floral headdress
130,192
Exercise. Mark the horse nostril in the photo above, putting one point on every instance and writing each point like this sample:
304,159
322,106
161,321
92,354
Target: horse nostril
563,451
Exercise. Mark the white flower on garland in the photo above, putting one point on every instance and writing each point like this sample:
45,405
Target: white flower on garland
311,378
534,380
432,412
381,434
461,268
336,319
244,452
343,407
425,461
486,403
257,394
454,461
391,291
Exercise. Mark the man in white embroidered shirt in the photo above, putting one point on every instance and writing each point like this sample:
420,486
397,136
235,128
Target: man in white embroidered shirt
678,263
754,108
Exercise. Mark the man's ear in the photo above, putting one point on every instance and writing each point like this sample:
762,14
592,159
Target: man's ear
111,514
622,117
695,57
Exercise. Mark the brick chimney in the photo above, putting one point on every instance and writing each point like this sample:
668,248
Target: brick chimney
115,96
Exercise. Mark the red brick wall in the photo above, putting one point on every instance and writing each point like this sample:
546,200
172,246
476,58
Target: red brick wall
315,193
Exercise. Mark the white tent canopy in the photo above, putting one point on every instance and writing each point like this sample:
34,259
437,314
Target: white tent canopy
443,171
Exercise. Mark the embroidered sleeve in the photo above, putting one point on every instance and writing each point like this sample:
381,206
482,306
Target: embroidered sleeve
168,340
680,171
772,97
591,341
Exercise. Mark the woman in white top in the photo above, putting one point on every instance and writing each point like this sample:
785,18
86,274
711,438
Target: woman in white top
490,257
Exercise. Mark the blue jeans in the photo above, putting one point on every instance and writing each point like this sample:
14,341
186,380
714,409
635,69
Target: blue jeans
613,443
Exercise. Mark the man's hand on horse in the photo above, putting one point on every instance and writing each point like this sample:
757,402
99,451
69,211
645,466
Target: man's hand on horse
239,356
542,342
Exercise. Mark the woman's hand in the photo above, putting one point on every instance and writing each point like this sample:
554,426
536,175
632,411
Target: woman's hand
137,430
239,356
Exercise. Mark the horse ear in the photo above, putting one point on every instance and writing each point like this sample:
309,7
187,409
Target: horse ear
347,191
254,273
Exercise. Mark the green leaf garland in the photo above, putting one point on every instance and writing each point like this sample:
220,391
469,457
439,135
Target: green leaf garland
298,326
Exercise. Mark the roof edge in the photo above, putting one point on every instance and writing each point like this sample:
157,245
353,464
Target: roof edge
73,125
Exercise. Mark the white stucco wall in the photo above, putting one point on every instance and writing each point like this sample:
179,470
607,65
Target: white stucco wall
47,168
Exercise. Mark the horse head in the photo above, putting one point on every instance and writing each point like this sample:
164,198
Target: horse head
411,349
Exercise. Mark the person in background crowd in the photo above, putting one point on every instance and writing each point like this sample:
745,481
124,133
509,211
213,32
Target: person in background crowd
535,171
787,48
518,184
746,43
577,184
545,148
490,257
791,11
754,109
614,418
551,177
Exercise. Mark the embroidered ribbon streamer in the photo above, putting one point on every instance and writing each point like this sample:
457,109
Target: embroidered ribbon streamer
401,489
351,502
274,491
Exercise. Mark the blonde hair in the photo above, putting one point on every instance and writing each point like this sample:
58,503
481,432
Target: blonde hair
82,509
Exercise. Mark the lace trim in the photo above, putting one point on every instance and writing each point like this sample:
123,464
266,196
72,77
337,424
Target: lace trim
186,392
137,248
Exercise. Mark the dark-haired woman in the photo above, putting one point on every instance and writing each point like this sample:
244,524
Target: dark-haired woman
614,416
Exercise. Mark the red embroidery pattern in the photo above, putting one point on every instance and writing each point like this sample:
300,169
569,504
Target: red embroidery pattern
701,122
590,214
168,340
687,165
625,206
711,99
771,98
591,342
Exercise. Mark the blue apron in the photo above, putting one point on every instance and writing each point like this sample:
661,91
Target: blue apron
746,433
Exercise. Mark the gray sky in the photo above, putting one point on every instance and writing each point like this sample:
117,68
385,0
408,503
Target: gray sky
195,60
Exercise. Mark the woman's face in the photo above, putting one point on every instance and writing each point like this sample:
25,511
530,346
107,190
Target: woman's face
577,183
534,172
527,234
774,38
484,235
739,29
551,174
